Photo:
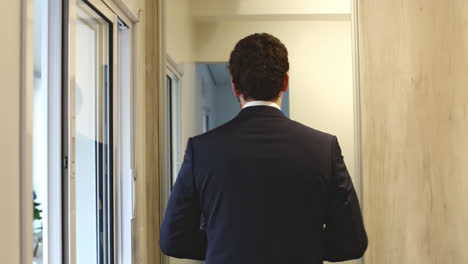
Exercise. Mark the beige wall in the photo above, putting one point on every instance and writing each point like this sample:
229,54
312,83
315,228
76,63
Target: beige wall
268,7
414,59
131,5
10,134
179,30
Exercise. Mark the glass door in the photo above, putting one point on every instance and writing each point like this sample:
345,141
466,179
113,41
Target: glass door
93,163
90,182
172,86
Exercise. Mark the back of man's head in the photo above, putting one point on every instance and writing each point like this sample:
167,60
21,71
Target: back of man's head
258,65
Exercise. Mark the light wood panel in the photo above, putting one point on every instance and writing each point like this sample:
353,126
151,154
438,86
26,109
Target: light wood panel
147,218
151,130
414,65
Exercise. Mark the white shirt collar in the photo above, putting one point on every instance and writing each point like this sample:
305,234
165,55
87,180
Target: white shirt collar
261,103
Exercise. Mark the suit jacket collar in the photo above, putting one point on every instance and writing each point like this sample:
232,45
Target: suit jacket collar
260,111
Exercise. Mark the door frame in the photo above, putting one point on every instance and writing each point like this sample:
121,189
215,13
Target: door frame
357,115
162,131
357,99
357,106
26,130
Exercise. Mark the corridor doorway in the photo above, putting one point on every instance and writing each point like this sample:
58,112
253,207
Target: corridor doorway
321,38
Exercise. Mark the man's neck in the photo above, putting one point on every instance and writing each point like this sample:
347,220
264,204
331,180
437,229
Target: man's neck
243,101
261,103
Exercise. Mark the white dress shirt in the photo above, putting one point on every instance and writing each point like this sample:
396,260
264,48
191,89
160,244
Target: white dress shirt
263,103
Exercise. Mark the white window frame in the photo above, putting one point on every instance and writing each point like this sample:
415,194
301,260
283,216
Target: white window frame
125,176
175,71
172,69
52,247
52,230
121,173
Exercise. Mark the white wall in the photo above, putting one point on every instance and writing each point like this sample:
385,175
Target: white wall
10,134
191,105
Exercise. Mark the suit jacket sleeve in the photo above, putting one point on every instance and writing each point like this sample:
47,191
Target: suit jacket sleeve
181,236
344,234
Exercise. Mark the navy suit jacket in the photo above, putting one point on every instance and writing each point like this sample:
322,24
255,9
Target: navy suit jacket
263,189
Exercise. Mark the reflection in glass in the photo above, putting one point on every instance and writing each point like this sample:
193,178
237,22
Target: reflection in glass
93,136
40,130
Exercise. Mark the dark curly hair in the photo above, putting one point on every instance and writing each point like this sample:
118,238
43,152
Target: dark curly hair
258,65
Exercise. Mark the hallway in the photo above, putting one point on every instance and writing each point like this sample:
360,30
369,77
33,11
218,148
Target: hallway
100,98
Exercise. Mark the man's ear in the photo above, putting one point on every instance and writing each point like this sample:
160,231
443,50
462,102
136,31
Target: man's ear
234,90
286,82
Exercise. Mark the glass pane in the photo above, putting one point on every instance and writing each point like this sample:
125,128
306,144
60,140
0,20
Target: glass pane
40,125
175,128
169,131
172,127
93,164
125,190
